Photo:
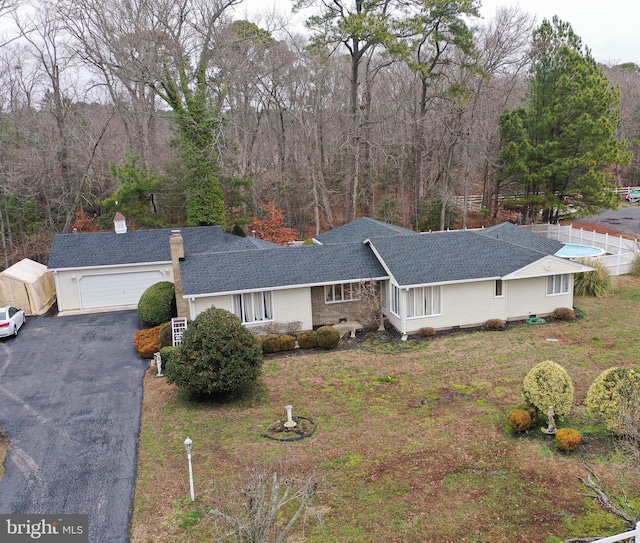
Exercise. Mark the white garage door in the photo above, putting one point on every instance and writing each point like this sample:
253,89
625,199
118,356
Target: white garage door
112,290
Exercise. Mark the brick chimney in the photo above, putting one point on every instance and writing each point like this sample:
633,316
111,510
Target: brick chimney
177,255
120,223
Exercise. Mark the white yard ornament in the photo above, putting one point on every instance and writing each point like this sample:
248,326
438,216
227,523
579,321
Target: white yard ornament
290,422
157,360
551,430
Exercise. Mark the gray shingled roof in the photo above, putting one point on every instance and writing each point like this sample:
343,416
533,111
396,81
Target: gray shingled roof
141,246
273,268
362,229
451,256
517,235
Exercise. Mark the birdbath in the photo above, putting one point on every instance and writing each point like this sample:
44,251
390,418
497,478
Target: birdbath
290,422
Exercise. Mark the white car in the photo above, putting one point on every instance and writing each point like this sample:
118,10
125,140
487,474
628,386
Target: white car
11,320
633,196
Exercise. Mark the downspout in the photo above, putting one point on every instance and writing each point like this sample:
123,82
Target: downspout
505,295
381,316
403,312
56,279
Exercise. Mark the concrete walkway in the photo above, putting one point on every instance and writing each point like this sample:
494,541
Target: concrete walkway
70,402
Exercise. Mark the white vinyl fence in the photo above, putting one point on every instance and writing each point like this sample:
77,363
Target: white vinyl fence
620,252
633,536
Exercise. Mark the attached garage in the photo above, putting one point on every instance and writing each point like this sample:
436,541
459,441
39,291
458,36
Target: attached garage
103,271
119,289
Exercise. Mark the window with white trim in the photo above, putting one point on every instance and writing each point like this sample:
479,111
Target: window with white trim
558,284
424,301
253,306
499,288
394,299
342,292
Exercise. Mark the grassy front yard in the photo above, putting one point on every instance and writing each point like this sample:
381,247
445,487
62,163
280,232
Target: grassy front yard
411,442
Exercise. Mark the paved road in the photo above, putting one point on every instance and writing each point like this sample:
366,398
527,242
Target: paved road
625,219
70,402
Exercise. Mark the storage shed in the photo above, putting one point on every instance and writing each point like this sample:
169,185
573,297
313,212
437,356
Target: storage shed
29,286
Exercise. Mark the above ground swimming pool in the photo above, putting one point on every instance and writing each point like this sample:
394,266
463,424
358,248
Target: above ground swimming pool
571,250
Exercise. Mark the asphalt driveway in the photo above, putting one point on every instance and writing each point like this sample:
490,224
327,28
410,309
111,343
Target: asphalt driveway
624,219
70,402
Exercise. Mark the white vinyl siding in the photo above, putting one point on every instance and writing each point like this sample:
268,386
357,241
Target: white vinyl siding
253,306
289,305
527,297
343,292
521,299
558,284
74,287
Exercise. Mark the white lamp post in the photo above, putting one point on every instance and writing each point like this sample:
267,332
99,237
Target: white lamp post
187,443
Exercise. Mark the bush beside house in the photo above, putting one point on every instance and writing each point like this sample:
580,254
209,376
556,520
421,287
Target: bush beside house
147,342
158,304
307,339
218,354
328,337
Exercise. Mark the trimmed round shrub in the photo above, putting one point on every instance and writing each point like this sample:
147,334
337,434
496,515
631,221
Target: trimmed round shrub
567,439
166,353
519,420
596,283
564,314
270,343
166,335
534,414
217,355
426,332
158,304
548,383
147,342
613,393
165,356
287,343
308,339
328,337
494,325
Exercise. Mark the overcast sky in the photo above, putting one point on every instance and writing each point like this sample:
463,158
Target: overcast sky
610,28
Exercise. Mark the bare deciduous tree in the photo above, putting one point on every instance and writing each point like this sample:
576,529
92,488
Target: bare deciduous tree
265,497
620,506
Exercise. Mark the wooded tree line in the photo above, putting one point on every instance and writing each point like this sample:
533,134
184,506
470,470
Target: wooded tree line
177,112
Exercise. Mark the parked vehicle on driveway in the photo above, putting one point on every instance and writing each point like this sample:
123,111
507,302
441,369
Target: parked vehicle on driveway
11,320
633,196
